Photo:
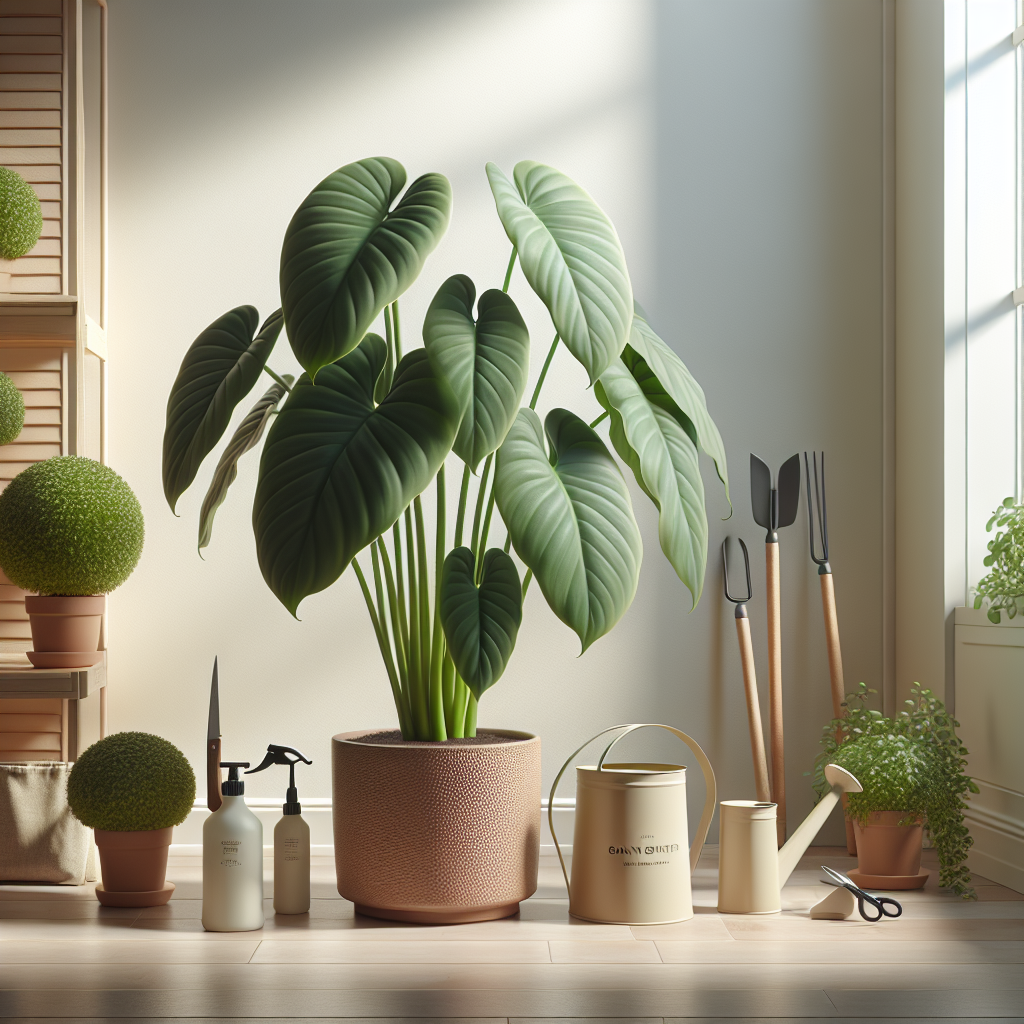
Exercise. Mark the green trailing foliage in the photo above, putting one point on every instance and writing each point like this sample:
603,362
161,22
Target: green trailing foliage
1003,588
12,410
362,435
69,526
913,763
131,782
21,216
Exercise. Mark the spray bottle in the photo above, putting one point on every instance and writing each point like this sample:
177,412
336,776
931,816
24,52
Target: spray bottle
291,839
232,861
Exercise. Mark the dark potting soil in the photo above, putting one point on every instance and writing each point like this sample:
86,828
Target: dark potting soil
393,737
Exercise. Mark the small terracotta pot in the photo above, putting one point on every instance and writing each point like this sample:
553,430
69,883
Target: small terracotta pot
437,833
65,623
134,862
885,847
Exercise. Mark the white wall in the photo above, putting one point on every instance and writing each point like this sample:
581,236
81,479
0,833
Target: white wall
737,147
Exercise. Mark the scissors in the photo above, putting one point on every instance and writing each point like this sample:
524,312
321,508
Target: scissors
880,903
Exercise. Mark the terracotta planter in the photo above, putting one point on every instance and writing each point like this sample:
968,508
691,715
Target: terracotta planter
65,624
134,867
885,847
437,833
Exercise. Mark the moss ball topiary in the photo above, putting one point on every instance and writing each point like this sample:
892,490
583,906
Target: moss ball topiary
12,410
69,526
131,782
21,216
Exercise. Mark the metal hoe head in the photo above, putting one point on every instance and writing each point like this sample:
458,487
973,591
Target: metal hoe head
738,601
817,510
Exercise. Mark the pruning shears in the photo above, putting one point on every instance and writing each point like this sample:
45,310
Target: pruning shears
880,903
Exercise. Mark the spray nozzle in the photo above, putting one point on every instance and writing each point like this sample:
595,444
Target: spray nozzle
234,786
280,755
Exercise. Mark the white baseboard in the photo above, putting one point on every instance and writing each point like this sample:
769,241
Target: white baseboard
995,818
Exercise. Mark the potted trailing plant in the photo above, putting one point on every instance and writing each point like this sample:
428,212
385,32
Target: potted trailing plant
71,530
132,788
911,768
366,432
1002,590
21,221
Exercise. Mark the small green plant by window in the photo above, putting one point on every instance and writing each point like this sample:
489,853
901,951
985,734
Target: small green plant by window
1003,587
912,763
12,410
21,216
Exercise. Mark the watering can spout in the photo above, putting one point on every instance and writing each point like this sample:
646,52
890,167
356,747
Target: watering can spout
789,856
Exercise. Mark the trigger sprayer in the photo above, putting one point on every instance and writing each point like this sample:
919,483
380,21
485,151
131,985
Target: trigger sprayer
291,838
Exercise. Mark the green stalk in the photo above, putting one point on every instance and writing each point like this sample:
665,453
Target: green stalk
389,365
448,688
460,519
526,582
543,373
603,416
424,610
398,332
403,618
483,535
461,701
471,709
480,504
438,718
283,383
417,687
508,273
397,607
384,639
385,648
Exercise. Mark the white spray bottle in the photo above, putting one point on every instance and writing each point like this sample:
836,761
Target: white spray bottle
232,861
291,839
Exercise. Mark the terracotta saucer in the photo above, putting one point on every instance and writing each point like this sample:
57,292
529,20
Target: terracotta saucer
64,659
889,881
157,898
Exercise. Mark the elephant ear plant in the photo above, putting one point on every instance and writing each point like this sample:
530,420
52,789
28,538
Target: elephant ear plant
366,430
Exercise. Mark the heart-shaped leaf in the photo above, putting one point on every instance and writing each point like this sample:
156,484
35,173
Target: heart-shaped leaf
679,385
571,522
337,471
245,438
485,361
480,623
571,256
218,371
654,439
347,254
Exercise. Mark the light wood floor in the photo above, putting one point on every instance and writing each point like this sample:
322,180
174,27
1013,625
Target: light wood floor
64,958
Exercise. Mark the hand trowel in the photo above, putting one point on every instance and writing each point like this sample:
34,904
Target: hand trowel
213,776
774,507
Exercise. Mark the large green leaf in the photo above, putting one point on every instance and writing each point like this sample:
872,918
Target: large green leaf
485,361
652,437
679,384
347,254
244,439
571,522
336,471
218,371
480,623
571,256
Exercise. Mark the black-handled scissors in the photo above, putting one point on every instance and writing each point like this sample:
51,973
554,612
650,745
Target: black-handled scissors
880,903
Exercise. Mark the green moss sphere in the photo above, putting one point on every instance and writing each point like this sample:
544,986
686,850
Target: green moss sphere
69,526
21,216
131,782
12,410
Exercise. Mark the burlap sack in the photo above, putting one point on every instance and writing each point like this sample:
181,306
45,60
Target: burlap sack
40,839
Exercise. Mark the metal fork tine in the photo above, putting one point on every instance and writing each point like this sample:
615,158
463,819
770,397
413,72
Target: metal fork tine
817,511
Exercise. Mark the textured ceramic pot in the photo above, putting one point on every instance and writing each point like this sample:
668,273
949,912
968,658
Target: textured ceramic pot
885,847
134,867
65,624
437,833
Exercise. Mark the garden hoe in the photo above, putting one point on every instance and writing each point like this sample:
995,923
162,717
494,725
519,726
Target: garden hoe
818,510
749,676
775,508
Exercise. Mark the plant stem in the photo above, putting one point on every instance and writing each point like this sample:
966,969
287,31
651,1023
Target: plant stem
438,719
461,701
471,708
424,608
603,416
384,639
399,627
460,519
543,373
403,620
474,545
398,332
419,696
389,365
448,687
508,273
526,582
283,383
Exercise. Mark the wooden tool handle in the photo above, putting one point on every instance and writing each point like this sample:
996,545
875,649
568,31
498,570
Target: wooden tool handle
775,686
764,792
835,654
213,777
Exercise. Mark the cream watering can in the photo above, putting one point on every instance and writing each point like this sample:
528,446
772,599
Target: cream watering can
751,868
630,860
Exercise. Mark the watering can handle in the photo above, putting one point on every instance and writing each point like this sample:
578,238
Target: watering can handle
705,766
